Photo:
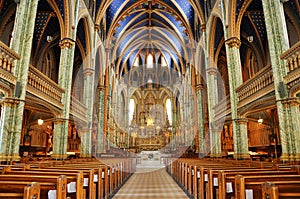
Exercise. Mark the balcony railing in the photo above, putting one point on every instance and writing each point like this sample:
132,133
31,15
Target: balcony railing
223,108
292,57
42,86
257,86
7,58
78,109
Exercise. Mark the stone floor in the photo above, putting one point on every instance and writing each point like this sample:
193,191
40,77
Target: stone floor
150,181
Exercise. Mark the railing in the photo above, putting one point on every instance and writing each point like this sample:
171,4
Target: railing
257,86
7,58
73,145
223,108
78,109
292,57
42,86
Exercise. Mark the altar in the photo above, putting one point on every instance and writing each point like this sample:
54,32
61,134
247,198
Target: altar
150,155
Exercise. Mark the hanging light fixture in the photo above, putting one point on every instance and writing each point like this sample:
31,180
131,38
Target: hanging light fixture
260,121
40,121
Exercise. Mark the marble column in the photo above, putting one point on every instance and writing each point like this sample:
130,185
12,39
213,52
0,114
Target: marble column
106,100
200,118
278,43
7,131
60,137
11,121
88,99
173,141
292,124
235,80
100,130
212,92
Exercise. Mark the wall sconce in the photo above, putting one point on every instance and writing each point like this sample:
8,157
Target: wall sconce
250,39
49,38
40,121
260,121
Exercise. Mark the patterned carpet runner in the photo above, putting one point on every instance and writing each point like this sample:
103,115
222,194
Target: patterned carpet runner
152,183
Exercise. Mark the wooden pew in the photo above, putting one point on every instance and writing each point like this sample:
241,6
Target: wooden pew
47,183
85,179
252,184
28,191
226,179
76,176
281,189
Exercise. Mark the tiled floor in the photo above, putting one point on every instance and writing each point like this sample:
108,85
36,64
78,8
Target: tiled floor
152,183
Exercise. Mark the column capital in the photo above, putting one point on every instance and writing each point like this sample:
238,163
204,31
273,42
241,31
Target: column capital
241,120
203,27
88,71
199,86
60,120
233,42
212,71
10,101
97,27
107,50
293,101
101,87
66,43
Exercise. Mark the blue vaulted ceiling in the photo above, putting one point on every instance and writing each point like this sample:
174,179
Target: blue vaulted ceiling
168,24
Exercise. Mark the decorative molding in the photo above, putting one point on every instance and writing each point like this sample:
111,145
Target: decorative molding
290,52
233,42
11,102
212,71
88,71
66,43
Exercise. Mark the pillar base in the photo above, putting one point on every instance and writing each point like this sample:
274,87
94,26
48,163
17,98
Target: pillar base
284,157
242,156
14,157
297,157
59,156
85,155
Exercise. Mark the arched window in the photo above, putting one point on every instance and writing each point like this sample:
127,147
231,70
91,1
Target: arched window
136,62
150,60
131,110
163,62
169,110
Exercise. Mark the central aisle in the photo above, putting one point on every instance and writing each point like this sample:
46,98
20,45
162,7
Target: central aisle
149,182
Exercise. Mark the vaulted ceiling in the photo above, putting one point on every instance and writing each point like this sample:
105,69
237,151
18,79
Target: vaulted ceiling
162,27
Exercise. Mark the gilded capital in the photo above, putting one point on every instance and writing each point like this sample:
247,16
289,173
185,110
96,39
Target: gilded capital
88,71
66,43
241,120
97,27
199,86
212,71
10,102
233,42
59,120
101,88
291,101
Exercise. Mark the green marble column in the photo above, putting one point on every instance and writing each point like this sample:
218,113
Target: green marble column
212,92
200,114
12,112
60,137
173,141
278,43
235,80
292,124
100,133
7,132
88,99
